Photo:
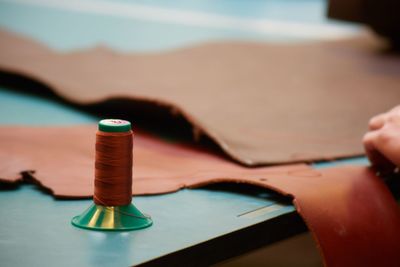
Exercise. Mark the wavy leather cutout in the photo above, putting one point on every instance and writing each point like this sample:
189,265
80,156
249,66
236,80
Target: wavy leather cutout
261,103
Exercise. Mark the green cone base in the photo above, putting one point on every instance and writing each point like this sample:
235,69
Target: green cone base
118,218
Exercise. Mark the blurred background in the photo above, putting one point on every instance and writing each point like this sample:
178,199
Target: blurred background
159,25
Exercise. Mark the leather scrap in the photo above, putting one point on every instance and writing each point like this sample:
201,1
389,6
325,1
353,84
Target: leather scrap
350,212
261,103
159,167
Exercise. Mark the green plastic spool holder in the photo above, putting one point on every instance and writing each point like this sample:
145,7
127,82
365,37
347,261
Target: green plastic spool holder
112,218
118,218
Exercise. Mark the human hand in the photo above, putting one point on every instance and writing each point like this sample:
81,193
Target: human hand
382,141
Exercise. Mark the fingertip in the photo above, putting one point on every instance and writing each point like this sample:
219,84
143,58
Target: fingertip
376,122
368,139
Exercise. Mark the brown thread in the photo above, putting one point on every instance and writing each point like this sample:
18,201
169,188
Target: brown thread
113,169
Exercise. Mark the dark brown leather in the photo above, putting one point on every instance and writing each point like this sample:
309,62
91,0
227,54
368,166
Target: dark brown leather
382,16
351,213
262,103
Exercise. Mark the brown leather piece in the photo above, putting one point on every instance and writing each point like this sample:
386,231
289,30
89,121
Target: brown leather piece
351,213
262,103
159,167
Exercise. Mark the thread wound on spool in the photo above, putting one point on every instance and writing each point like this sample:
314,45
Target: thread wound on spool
112,209
113,168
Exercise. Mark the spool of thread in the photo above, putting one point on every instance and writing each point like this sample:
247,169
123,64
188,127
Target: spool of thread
112,209
113,163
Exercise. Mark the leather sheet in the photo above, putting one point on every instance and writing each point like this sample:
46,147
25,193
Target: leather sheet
351,213
262,103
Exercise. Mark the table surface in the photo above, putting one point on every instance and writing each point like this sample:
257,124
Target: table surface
199,226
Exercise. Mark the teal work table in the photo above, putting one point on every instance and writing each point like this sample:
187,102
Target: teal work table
199,227
191,227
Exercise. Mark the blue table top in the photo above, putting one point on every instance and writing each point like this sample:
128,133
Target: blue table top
35,228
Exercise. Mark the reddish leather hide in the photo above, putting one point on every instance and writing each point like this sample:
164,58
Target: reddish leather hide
352,215
261,103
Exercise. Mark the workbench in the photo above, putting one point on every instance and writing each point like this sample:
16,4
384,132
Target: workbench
191,227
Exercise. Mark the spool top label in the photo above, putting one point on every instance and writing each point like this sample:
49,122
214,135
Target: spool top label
114,126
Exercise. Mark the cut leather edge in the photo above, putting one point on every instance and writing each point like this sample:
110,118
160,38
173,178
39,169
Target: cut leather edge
175,110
